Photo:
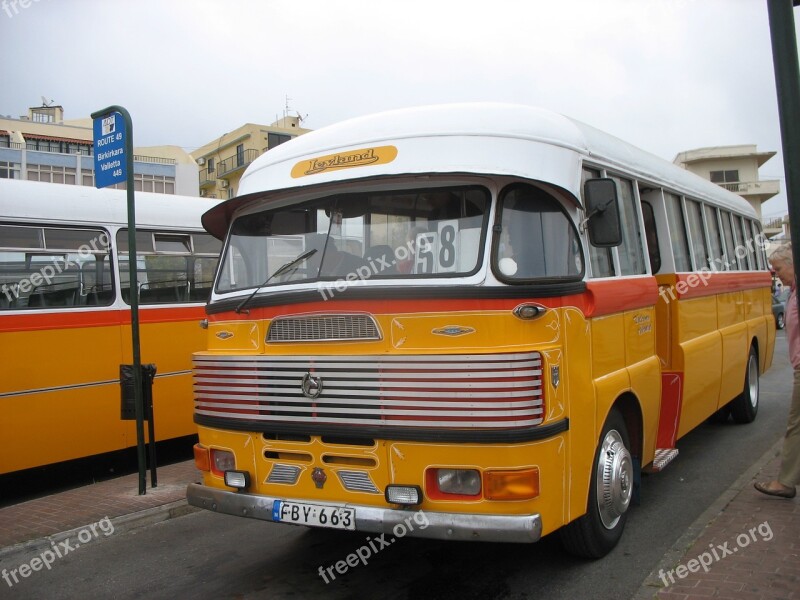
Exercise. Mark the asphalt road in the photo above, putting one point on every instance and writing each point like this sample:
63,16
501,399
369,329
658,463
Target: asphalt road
205,555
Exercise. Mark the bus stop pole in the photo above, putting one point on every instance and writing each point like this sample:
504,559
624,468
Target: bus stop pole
134,294
787,85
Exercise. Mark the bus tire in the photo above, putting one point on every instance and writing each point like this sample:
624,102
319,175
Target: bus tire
721,416
597,532
744,407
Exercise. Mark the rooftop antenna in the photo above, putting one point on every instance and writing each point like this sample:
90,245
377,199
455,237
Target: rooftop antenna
286,110
46,102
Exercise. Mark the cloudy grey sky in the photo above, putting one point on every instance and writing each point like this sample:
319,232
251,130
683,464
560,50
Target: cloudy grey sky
666,75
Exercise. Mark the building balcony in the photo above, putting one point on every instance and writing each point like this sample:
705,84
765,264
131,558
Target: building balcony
154,159
236,163
207,179
754,189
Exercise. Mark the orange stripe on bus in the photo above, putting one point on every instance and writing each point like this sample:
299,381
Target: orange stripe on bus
610,296
96,318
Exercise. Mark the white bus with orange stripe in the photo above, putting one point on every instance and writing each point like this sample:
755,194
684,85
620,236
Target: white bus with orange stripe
65,321
492,314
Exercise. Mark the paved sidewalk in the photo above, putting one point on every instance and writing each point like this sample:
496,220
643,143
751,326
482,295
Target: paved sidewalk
748,542
34,522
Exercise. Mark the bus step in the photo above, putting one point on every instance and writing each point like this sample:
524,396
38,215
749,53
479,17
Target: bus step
664,456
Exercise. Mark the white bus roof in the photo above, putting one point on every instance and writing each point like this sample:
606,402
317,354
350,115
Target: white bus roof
28,201
479,138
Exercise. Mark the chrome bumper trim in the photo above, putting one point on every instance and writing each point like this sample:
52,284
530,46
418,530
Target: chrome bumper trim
441,526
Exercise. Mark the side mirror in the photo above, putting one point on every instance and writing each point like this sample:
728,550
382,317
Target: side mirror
602,212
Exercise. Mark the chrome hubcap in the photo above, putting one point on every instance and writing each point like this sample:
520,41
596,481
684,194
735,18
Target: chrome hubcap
614,479
752,379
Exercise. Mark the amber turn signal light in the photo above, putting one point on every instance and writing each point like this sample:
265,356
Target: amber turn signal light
202,459
511,485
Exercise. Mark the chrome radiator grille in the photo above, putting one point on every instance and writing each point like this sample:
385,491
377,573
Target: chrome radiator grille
323,327
488,391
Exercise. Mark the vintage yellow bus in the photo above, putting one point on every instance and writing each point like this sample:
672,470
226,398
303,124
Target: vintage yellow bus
65,318
493,314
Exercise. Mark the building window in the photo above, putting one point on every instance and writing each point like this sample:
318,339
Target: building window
210,163
9,170
158,184
61,147
276,139
725,176
51,174
239,155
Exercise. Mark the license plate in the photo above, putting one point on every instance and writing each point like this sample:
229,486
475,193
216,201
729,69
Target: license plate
314,515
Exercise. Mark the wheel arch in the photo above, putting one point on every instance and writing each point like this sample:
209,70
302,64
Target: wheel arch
627,404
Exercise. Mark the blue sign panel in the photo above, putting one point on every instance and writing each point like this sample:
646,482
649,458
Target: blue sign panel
109,150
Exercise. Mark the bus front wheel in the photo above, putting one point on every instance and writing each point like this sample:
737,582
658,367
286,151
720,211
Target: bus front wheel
745,406
597,532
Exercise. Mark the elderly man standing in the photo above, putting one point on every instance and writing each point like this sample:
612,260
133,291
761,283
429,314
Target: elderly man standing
789,474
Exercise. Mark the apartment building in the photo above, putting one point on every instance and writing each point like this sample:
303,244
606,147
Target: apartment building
43,146
735,168
223,160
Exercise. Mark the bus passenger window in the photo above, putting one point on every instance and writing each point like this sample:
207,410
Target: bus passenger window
53,267
677,233
715,237
652,237
600,258
747,242
631,256
729,257
171,267
697,234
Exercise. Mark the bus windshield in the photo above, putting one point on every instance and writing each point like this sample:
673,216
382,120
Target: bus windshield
405,233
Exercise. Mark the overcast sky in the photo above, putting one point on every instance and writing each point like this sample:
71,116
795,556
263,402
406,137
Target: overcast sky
666,75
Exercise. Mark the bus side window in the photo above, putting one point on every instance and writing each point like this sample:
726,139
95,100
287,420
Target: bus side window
631,255
730,242
677,232
714,237
172,267
53,267
697,234
759,245
747,242
652,237
600,258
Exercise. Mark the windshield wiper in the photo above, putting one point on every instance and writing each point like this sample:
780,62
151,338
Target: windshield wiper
281,270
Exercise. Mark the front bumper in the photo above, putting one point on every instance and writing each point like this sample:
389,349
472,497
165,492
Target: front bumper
442,526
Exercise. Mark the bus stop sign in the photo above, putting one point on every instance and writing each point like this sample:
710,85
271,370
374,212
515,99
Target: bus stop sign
109,150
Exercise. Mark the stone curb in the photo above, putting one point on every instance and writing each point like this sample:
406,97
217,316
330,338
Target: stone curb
652,584
122,524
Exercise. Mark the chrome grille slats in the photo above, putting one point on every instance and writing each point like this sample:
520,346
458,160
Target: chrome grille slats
321,328
447,391
357,481
281,473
